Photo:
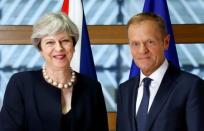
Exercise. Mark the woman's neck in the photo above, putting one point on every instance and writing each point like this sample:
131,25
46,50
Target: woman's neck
61,75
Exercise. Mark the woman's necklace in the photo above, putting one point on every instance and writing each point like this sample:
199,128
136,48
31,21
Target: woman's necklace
69,84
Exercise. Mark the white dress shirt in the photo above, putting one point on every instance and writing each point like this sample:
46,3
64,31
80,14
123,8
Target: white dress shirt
156,77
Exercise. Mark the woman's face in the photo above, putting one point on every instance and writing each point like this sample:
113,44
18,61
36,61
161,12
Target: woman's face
57,50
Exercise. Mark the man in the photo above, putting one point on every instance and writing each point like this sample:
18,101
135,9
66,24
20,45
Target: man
161,97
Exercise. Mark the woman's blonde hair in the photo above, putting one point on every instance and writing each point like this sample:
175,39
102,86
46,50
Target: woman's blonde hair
51,24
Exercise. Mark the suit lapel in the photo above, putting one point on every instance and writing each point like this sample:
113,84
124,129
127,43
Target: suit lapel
48,104
78,101
133,86
79,105
162,95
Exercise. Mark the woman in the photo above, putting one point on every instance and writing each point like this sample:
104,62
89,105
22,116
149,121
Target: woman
55,98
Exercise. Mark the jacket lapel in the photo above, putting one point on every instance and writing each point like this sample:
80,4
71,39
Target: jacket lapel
78,102
48,104
162,95
133,86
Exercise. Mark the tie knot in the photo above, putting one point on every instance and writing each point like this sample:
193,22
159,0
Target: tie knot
147,82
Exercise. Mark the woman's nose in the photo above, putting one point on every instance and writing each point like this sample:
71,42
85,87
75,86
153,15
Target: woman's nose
59,46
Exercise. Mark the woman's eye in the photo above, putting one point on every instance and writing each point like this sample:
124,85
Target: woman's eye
50,43
65,41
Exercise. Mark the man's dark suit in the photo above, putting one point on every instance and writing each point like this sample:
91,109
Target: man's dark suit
177,106
31,104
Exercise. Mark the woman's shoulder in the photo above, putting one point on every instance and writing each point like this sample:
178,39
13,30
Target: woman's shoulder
88,84
23,80
26,74
86,79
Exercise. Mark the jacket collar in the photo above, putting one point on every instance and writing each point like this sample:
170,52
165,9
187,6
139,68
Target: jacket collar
48,102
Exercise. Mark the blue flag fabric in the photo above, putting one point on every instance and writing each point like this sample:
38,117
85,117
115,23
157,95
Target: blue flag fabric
87,66
160,8
83,60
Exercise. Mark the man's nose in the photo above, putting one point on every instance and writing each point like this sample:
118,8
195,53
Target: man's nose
143,48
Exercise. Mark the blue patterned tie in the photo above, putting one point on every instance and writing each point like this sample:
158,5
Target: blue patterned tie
143,108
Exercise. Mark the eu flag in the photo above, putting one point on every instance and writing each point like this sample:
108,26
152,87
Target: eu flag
160,8
83,59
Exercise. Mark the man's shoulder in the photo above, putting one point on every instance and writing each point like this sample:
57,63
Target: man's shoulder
181,73
188,76
129,82
183,77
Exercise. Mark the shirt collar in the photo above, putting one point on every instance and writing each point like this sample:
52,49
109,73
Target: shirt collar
157,75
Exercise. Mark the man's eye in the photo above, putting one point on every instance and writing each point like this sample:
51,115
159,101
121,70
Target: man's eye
150,42
135,44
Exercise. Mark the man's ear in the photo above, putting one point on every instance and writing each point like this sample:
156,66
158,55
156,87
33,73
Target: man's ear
166,41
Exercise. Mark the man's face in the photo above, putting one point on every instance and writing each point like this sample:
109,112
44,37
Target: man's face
147,45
